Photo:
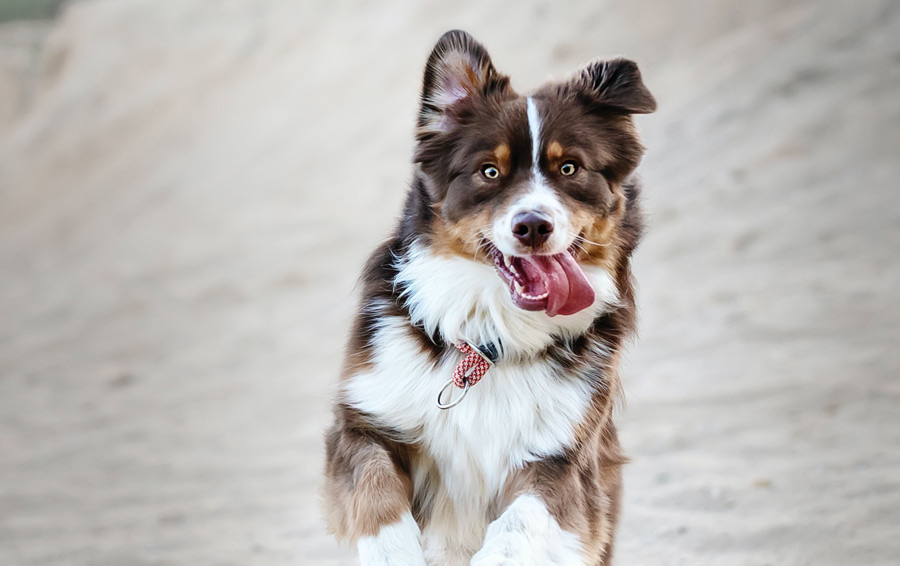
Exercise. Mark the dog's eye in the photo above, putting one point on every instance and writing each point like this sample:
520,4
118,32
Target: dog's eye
568,168
490,171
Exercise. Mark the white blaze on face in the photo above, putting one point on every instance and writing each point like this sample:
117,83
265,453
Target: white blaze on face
539,198
534,126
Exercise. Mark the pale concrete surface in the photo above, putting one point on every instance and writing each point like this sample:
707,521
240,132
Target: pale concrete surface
188,189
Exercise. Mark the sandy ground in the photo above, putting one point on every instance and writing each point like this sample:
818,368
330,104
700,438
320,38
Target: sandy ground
188,189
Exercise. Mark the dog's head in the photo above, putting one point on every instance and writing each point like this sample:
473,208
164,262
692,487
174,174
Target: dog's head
532,184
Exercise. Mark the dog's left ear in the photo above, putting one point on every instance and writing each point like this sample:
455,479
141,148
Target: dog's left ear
458,72
616,85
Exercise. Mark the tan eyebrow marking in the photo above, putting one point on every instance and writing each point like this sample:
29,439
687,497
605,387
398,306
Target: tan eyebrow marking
555,151
502,153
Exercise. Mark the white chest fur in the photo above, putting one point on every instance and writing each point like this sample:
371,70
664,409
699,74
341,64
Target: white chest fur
516,414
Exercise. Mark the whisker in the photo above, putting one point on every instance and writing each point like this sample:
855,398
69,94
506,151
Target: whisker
583,239
484,246
479,240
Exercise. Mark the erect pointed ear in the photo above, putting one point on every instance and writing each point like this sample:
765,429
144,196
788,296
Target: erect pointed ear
616,84
459,70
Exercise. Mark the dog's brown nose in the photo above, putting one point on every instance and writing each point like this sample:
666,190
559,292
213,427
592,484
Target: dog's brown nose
532,228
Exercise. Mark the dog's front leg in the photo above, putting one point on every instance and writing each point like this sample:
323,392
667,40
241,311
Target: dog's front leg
526,534
367,498
396,544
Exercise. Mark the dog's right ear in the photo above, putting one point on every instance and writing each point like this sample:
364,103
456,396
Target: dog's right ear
458,71
616,85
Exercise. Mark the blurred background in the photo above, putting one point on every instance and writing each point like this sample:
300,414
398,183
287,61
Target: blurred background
188,190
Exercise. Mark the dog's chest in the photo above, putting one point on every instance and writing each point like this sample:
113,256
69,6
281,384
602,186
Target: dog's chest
515,414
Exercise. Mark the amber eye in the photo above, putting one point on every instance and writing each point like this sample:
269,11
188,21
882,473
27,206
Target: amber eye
568,168
490,171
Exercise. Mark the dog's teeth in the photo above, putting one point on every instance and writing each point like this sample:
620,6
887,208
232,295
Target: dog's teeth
521,291
540,297
511,267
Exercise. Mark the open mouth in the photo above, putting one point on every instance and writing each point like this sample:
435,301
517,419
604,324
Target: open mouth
552,283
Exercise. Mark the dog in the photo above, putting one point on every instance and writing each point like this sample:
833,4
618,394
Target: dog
473,415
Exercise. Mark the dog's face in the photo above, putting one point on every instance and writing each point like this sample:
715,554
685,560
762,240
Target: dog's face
531,184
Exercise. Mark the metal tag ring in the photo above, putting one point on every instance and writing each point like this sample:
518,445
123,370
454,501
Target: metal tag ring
453,402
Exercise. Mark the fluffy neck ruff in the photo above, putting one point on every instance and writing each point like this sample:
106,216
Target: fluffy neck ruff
464,300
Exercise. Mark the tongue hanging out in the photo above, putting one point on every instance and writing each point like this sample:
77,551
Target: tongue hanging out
554,283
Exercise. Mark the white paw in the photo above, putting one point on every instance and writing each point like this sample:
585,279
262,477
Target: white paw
482,559
505,553
529,554
394,545
527,535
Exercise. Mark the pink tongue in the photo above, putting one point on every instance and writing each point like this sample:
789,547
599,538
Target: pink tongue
568,290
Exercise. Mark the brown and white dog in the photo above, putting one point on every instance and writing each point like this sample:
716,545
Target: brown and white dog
515,240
